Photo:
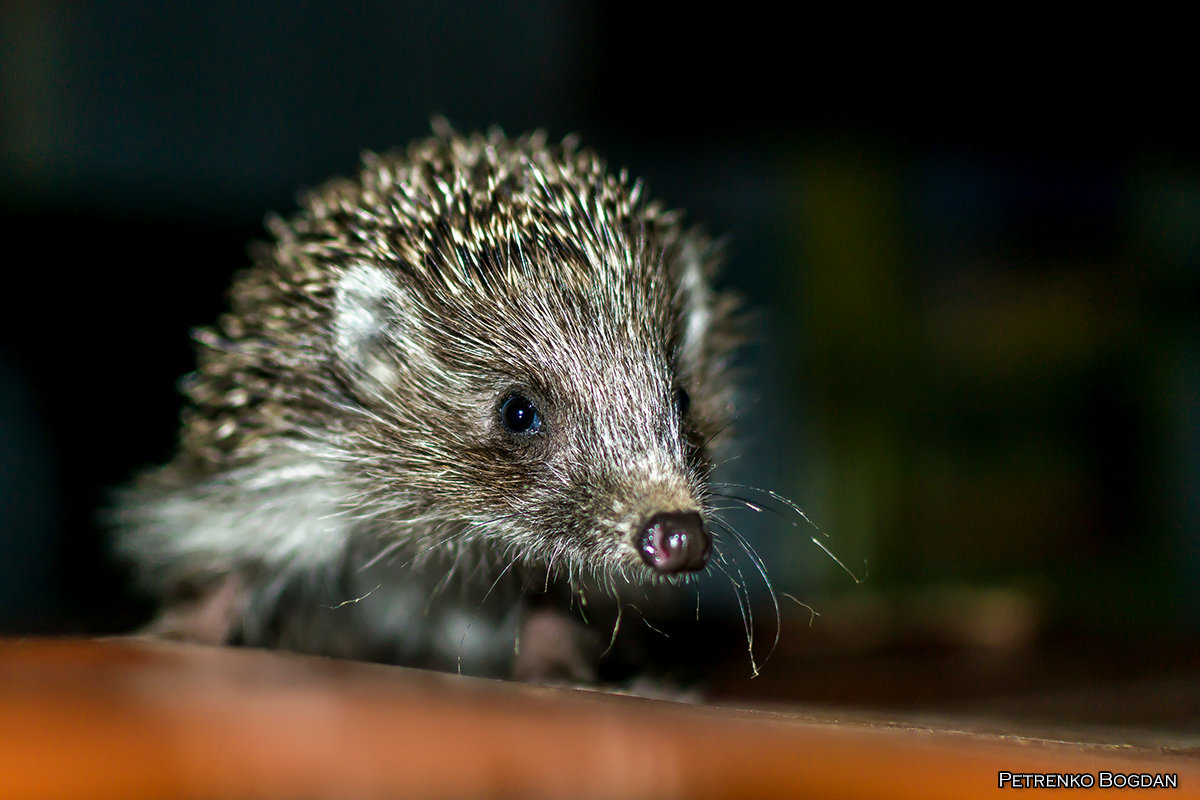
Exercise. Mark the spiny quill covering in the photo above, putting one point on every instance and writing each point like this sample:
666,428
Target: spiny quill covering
352,410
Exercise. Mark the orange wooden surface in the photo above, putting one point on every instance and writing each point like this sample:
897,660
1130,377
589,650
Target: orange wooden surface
128,718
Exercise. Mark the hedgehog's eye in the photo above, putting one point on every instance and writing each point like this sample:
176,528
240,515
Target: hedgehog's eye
682,402
520,415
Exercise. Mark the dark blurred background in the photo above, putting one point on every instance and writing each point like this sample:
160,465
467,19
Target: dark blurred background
974,252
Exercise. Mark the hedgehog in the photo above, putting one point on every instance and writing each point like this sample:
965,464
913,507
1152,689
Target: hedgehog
452,398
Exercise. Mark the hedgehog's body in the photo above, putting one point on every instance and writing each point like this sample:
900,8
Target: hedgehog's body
457,381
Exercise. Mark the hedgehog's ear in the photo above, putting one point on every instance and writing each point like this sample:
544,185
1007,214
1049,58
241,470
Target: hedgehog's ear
712,331
369,313
704,311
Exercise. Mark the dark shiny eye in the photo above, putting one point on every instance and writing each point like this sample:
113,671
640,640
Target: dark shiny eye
520,415
682,402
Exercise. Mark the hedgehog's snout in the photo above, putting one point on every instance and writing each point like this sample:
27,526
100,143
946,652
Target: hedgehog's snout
674,542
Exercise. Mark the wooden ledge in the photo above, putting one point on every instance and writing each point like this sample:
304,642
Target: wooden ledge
133,718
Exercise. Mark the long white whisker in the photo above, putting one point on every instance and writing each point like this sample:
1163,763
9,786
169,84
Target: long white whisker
742,611
812,612
776,496
488,593
757,561
836,560
384,552
773,496
616,627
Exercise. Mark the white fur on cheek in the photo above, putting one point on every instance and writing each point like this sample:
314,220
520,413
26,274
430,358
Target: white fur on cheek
285,511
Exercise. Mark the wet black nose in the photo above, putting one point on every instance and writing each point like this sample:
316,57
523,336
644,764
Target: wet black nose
675,542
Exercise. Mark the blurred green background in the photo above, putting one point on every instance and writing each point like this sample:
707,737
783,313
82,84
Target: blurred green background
975,269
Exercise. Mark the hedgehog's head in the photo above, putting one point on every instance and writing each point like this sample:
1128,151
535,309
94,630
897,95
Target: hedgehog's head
534,355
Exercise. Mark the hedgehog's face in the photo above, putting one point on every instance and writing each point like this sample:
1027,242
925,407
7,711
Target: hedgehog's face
569,428
579,475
